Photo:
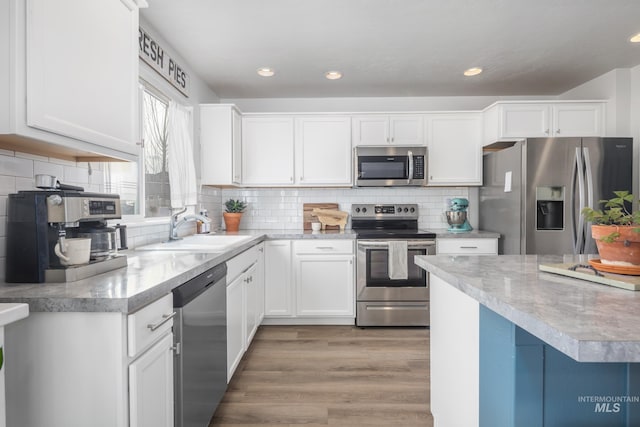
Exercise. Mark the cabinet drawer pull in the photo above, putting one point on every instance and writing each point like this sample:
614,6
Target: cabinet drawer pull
165,319
324,247
468,247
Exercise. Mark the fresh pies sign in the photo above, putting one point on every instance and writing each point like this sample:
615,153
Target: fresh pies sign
155,56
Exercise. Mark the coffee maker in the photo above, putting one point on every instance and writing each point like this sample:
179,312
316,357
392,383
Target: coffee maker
38,220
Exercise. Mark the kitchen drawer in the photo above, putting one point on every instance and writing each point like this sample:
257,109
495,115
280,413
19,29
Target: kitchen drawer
240,263
322,246
149,324
462,246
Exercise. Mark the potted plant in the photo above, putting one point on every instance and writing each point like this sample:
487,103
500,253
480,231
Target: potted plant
616,230
233,214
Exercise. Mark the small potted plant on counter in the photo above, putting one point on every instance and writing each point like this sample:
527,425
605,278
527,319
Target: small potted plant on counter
616,230
233,214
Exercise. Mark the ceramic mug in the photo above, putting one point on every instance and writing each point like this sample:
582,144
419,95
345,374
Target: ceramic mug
76,251
316,226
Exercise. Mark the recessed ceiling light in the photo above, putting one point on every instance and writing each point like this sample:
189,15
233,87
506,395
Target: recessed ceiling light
266,72
473,71
635,39
333,75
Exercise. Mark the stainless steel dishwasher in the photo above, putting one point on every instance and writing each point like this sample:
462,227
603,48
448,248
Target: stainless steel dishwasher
200,338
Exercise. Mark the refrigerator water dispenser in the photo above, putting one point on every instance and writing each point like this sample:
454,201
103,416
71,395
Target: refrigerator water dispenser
550,208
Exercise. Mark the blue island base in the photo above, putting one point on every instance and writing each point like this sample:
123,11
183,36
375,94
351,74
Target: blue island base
525,382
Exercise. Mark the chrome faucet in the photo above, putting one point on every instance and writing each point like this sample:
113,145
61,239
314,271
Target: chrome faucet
176,222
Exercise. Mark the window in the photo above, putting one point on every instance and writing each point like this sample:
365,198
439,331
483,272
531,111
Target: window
151,169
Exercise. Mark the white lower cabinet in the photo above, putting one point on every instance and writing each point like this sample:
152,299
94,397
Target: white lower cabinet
310,281
324,277
467,246
151,387
277,280
235,325
244,303
104,369
250,281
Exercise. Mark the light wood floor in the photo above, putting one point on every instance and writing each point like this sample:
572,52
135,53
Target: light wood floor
331,375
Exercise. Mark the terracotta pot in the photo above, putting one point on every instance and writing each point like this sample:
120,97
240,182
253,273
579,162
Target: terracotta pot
232,220
624,251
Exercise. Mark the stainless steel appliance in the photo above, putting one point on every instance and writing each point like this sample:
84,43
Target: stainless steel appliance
38,220
200,338
391,290
534,191
390,166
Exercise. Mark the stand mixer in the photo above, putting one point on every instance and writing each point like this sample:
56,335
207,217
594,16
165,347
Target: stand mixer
457,216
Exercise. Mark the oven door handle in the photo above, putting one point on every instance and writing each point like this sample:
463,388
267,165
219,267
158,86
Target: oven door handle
410,244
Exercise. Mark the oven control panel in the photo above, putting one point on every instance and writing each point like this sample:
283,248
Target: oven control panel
382,211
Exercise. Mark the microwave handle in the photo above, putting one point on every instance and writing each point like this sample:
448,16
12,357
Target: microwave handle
410,178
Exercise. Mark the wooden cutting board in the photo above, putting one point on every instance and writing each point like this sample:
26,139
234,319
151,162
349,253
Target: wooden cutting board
308,218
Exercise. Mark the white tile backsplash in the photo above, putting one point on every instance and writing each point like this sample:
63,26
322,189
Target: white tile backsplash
46,168
282,208
16,166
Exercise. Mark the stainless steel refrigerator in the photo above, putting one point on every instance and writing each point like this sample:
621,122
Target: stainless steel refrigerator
534,191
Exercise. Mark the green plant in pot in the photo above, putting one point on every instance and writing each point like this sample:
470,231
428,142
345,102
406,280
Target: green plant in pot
616,230
233,214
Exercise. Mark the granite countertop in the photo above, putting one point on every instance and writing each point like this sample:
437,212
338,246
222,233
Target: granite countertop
473,234
588,322
148,276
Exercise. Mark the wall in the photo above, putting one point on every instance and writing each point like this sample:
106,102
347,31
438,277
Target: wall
614,87
281,209
141,233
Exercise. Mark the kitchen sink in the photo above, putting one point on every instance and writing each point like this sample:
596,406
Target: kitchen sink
198,242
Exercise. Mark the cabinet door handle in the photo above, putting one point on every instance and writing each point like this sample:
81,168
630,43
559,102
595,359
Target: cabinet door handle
547,131
165,319
324,247
468,247
558,131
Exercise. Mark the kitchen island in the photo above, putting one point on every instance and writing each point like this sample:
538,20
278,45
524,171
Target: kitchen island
520,347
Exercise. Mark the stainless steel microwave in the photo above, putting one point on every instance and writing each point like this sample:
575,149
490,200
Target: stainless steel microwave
390,166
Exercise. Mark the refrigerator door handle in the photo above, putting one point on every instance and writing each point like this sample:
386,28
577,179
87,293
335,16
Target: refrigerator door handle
580,237
590,202
589,176
574,177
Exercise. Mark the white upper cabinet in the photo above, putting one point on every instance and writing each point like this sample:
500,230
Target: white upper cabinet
72,79
220,144
323,150
508,120
454,149
578,119
396,129
267,150
284,150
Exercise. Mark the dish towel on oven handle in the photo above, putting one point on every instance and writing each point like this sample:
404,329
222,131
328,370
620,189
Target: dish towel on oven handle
397,259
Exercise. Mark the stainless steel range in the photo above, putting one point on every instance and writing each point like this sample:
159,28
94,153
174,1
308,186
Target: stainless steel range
391,289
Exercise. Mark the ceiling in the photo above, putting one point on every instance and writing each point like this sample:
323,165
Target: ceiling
398,47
